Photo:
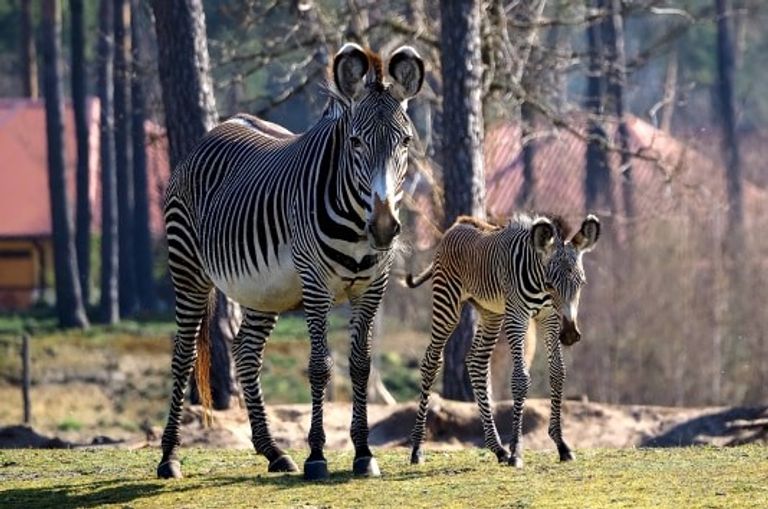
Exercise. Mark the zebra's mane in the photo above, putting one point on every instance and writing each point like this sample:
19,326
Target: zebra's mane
526,220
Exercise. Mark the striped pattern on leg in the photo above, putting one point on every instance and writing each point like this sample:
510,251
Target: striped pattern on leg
478,365
515,327
446,310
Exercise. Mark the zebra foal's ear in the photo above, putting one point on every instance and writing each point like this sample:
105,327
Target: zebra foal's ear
407,70
586,238
349,68
543,237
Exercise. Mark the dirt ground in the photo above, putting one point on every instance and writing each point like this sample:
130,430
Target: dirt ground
450,425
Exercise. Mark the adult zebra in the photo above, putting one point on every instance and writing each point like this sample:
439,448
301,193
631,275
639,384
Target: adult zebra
277,220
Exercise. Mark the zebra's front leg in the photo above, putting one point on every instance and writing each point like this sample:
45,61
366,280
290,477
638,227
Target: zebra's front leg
248,351
446,310
478,365
515,327
320,366
364,310
551,329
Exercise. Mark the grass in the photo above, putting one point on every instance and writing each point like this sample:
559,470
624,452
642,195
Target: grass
630,478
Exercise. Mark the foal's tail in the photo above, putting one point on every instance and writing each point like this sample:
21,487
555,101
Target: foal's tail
413,282
203,360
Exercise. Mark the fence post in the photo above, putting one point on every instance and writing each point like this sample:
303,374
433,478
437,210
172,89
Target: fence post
25,377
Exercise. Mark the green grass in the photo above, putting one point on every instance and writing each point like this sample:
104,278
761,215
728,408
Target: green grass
631,478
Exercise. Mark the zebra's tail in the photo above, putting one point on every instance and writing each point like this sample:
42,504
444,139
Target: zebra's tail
413,282
203,361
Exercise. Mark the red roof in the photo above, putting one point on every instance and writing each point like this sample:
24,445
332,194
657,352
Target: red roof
24,202
672,179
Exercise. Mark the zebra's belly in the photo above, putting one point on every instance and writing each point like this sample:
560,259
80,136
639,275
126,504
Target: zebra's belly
494,305
275,288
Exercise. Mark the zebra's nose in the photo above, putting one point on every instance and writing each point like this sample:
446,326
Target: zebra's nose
383,225
569,333
383,231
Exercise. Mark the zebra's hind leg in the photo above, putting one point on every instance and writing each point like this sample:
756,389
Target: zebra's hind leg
515,327
478,365
446,309
364,309
551,326
248,351
191,308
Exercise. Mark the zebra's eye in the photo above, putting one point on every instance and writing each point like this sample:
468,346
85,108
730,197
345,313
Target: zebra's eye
356,142
406,141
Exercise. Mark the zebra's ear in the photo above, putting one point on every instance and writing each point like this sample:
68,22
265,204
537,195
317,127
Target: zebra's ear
407,70
586,238
543,237
349,68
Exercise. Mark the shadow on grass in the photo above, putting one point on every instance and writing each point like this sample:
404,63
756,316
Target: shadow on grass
720,424
99,493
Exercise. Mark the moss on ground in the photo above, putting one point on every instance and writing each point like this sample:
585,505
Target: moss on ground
630,478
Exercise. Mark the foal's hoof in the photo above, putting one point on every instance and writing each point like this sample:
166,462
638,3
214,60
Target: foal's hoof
515,461
283,463
366,467
417,456
567,456
316,470
502,456
170,469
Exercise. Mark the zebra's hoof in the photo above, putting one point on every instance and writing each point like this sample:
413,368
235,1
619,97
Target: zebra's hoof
567,456
502,456
515,461
283,463
366,467
170,469
316,470
417,456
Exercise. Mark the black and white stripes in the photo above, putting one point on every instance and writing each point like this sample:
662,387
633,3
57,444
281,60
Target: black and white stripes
277,221
513,275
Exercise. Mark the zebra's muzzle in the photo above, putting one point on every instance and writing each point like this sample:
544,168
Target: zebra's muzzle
569,333
383,226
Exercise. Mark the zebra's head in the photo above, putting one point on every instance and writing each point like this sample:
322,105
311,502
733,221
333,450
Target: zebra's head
377,131
564,268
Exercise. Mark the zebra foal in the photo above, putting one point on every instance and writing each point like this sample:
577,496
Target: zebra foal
514,274
278,221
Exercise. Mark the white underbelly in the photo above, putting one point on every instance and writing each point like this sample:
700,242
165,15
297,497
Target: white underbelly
274,288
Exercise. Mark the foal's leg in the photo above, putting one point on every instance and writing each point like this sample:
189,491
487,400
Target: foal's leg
550,326
478,364
446,310
248,351
515,326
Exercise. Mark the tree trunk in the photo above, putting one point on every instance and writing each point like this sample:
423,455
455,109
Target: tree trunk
733,243
69,303
28,53
670,92
190,112
79,93
142,251
190,107
462,157
121,14
598,177
731,153
614,35
528,190
110,284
